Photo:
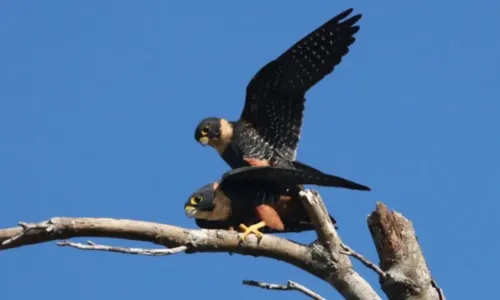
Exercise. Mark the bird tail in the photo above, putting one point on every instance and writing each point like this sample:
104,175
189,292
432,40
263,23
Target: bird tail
290,173
317,177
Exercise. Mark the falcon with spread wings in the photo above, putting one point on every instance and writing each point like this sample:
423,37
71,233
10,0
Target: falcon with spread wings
270,125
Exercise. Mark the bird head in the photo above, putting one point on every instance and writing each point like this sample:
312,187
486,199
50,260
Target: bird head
209,203
201,203
207,130
215,132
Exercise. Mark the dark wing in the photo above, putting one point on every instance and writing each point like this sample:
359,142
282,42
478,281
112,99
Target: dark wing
275,96
289,176
206,224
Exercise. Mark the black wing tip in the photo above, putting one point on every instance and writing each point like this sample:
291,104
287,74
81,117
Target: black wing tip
365,188
354,19
346,13
357,186
355,29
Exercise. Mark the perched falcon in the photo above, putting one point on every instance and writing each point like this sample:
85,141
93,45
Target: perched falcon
270,125
263,196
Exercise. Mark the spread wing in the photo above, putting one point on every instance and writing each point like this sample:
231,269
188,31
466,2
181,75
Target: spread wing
275,96
303,174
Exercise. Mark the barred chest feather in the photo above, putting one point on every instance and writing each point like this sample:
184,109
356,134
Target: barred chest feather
247,143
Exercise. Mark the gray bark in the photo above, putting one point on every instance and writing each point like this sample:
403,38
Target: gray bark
403,271
406,273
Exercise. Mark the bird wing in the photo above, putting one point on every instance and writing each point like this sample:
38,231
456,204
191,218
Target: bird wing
208,224
275,96
299,174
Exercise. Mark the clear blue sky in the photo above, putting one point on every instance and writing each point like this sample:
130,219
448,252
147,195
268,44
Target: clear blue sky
99,100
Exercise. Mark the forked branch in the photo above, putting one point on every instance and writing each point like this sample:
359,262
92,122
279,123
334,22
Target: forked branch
327,258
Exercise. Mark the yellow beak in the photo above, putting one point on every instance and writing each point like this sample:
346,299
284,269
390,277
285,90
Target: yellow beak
204,140
190,211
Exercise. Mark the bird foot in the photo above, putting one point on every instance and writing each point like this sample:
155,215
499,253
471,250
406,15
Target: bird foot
252,229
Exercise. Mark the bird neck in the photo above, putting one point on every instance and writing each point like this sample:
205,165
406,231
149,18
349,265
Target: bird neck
226,135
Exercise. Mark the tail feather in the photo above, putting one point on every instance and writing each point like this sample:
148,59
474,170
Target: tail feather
290,173
320,178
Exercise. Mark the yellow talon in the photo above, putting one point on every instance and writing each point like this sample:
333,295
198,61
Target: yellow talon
252,229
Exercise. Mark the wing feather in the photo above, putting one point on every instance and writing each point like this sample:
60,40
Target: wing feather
275,96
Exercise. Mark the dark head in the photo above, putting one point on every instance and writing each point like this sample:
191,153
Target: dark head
200,201
215,132
208,203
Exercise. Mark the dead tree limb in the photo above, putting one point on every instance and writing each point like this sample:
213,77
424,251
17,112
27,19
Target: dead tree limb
328,258
342,275
401,259
310,259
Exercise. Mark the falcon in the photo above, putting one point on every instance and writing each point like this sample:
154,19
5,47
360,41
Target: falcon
270,124
262,197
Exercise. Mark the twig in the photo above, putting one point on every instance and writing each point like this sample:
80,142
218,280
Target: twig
27,227
139,251
265,285
291,286
364,260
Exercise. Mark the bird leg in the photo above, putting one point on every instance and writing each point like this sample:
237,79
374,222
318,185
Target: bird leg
252,229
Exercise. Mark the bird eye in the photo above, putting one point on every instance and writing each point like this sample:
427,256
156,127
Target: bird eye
196,199
205,129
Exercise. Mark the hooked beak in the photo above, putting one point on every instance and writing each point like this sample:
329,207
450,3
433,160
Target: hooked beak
204,140
190,211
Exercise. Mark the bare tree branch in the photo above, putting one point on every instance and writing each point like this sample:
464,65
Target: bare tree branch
342,275
26,228
407,276
161,234
139,251
291,286
362,259
403,272
196,240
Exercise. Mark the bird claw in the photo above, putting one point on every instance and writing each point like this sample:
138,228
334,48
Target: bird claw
251,229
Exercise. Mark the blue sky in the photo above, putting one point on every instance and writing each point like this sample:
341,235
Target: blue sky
99,101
